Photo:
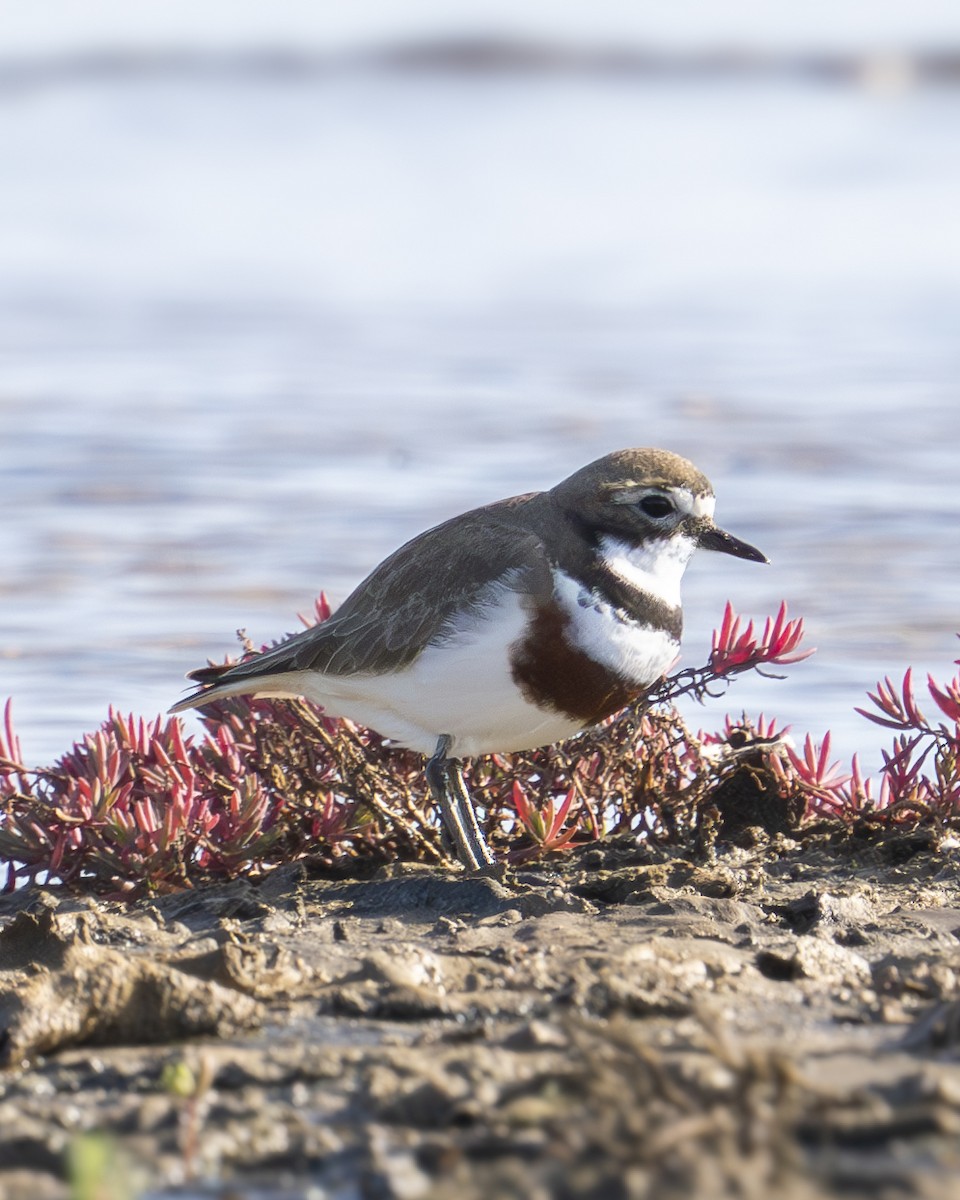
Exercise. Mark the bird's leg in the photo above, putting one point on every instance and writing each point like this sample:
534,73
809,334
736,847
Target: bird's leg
439,782
467,813
445,777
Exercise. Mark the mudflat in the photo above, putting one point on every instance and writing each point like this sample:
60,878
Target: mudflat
779,1018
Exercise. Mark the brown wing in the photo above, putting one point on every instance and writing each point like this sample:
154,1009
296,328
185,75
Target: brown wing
408,600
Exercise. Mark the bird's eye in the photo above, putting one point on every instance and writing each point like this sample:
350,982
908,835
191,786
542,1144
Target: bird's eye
655,506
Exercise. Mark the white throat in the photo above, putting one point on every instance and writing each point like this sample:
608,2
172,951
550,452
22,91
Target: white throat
655,567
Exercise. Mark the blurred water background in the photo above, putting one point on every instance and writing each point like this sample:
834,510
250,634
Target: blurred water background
279,289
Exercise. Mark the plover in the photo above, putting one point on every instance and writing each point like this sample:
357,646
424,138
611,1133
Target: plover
509,627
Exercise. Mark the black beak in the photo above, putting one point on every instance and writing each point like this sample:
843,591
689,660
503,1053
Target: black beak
712,538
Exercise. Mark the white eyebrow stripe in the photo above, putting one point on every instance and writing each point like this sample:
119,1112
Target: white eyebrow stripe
688,504
691,505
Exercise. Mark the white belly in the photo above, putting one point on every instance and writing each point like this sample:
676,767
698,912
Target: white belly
462,687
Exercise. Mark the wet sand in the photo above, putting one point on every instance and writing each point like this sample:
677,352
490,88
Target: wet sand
780,1019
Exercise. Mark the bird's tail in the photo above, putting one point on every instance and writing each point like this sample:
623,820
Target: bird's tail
220,681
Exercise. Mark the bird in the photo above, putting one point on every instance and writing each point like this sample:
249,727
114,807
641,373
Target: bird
511,626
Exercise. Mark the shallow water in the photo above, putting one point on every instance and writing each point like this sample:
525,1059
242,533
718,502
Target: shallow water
255,333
